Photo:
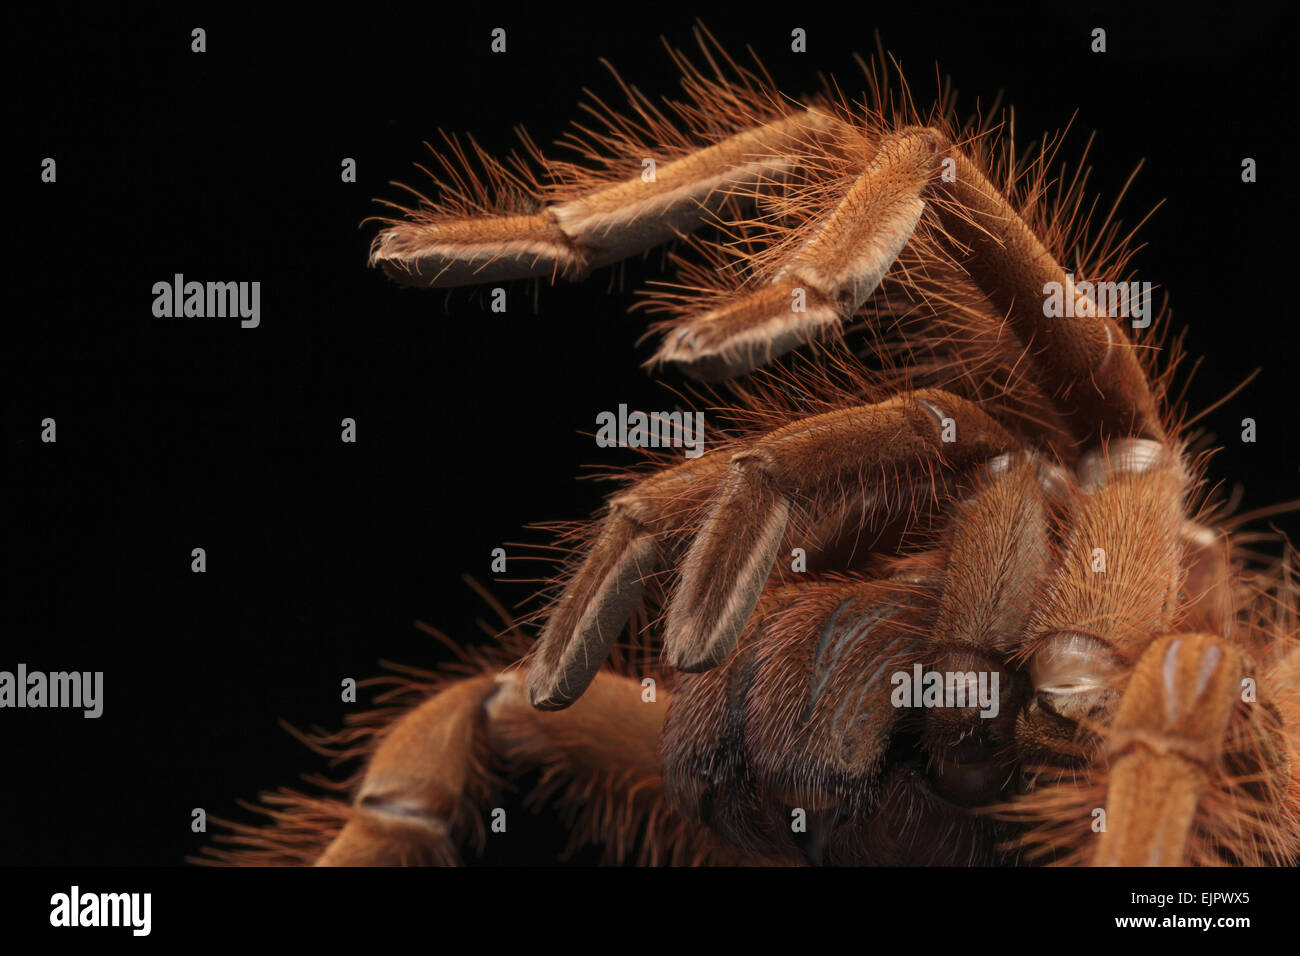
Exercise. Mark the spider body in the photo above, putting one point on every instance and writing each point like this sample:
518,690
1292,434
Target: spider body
991,491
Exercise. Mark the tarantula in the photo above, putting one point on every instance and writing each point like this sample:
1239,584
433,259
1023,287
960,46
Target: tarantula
987,492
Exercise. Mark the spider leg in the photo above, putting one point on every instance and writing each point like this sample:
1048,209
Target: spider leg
593,226
1168,746
871,452
1151,722
836,265
426,783
609,583
744,501
1117,582
998,551
1086,363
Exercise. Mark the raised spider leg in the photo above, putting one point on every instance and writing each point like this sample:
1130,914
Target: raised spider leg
599,226
834,270
1087,363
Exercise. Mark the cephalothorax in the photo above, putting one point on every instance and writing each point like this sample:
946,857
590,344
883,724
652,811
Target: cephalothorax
942,594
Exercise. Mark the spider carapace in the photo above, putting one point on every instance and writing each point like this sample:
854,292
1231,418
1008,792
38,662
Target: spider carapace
943,589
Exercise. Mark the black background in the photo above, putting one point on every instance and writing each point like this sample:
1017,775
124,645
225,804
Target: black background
175,434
